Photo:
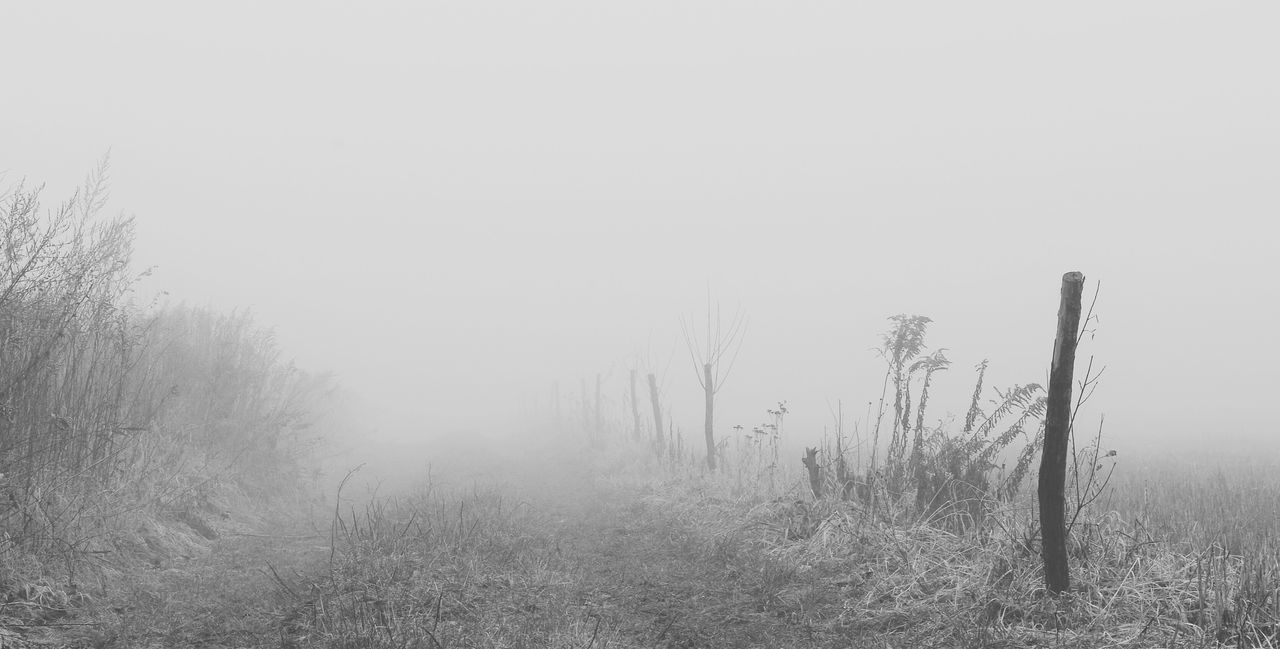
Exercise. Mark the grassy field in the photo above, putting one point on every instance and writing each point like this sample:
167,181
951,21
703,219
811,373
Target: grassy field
160,487
627,551
558,544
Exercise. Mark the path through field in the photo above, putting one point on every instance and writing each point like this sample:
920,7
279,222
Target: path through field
532,558
572,561
554,550
656,578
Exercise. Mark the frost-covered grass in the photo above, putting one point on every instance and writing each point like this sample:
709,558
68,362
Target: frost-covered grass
618,549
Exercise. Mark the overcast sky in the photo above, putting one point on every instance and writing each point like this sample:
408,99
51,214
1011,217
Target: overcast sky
451,205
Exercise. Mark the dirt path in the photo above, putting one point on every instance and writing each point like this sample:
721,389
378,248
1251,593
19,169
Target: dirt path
657,576
565,561
555,559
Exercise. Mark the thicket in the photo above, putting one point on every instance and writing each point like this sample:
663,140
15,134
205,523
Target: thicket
110,408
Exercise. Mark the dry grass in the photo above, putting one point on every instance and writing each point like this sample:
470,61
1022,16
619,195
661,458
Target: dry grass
151,580
473,569
622,550
921,585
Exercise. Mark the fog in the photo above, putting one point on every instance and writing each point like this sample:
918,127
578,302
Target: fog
453,206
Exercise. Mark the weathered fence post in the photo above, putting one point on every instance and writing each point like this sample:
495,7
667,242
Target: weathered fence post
586,410
657,410
635,410
810,461
599,419
1057,434
555,403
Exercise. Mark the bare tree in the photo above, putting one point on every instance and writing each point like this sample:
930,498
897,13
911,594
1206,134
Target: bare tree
713,357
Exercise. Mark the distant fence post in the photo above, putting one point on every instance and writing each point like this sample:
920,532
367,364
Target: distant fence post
555,403
810,462
635,410
1057,434
586,409
599,420
657,410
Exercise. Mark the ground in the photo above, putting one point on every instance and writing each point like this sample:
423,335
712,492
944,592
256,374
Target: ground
565,552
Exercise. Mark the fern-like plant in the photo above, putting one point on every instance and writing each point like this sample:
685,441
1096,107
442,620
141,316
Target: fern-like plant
953,480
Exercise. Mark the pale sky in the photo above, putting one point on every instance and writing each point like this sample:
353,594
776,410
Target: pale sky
451,205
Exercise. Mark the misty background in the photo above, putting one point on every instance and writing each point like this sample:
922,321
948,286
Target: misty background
451,206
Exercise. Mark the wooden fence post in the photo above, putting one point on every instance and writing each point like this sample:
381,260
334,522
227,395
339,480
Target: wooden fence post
635,410
810,461
555,403
657,410
586,410
1057,437
599,419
